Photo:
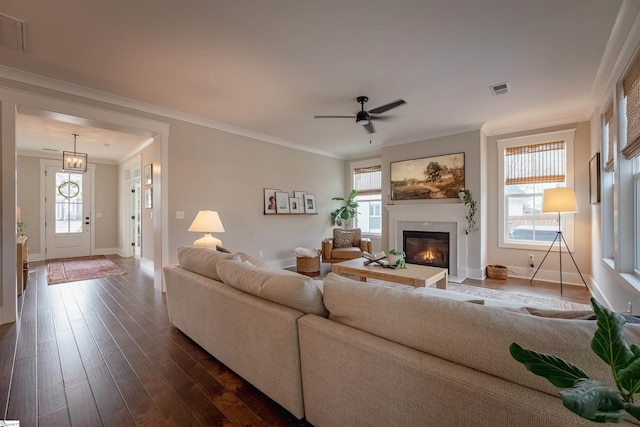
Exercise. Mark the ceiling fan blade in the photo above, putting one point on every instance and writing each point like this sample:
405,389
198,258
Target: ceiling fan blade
381,118
334,117
387,107
369,127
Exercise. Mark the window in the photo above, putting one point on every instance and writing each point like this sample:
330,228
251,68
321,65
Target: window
527,166
68,203
630,120
367,180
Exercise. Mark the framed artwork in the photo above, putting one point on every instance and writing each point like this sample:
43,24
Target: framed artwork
294,205
148,174
300,196
282,202
270,200
148,198
438,177
594,179
309,203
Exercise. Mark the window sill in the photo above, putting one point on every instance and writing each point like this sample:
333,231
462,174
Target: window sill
631,281
372,236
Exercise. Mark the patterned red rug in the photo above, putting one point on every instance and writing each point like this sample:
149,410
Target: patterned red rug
81,268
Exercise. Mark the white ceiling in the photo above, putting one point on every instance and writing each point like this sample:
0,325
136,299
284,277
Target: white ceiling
269,66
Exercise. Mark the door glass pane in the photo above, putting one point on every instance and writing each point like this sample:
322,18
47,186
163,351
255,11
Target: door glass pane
68,200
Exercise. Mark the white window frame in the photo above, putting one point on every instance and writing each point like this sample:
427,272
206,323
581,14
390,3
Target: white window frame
568,229
363,164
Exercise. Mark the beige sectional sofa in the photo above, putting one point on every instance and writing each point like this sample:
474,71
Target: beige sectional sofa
384,355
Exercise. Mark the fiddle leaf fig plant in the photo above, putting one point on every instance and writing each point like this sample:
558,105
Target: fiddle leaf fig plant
347,211
590,398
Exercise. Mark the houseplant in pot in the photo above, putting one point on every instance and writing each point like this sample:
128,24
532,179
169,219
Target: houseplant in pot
345,213
397,258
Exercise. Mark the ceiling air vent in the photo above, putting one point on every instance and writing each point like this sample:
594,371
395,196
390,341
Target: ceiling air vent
500,89
11,32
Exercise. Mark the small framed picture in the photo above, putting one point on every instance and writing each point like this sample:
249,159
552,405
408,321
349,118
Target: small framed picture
148,174
300,196
270,200
148,198
282,202
294,205
310,203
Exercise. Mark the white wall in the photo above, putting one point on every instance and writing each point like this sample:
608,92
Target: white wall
212,169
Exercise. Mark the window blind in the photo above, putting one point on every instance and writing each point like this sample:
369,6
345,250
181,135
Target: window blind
368,180
631,87
535,163
608,121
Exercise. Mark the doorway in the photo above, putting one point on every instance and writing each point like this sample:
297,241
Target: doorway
68,202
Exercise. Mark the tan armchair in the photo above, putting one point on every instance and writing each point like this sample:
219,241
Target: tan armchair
344,245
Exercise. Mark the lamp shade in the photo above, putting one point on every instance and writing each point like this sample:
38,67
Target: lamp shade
562,199
207,222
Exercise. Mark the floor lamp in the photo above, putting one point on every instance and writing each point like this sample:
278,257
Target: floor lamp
560,200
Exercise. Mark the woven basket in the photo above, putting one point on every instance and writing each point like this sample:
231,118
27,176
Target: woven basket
497,272
308,266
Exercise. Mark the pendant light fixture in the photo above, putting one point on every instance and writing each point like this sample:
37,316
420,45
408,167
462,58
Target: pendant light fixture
74,161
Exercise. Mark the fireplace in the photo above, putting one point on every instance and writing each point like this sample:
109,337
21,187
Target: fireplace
426,247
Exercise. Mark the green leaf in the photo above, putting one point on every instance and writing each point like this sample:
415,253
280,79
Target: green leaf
559,373
608,341
338,198
594,401
630,376
345,214
633,409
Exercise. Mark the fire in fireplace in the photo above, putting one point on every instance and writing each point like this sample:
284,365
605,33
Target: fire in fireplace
426,248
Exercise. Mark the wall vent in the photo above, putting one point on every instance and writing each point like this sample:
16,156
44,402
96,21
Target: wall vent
12,32
500,89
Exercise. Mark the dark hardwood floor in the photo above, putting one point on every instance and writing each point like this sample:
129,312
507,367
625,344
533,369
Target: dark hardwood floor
102,352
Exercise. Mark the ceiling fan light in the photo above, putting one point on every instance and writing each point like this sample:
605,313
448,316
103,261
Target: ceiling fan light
362,118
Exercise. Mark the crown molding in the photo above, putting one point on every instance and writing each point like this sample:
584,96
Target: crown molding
40,81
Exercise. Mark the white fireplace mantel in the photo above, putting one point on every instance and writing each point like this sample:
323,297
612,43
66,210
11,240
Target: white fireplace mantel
449,217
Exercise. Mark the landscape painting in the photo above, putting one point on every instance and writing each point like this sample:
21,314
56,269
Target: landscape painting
439,177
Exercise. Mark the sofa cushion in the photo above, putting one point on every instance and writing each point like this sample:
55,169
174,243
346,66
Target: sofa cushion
201,261
346,253
283,287
256,262
342,238
471,335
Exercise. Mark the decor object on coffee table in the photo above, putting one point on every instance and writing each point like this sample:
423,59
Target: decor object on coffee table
207,222
560,200
397,258
344,245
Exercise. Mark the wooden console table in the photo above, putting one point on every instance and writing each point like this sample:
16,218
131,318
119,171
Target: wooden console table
22,266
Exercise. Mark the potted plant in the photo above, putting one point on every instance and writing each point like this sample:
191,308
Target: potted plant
397,258
467,198
21,226
590,398
344,214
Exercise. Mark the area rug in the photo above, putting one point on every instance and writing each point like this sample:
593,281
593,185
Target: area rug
516,297
82,268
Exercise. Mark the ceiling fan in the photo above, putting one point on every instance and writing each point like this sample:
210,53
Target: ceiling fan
364,117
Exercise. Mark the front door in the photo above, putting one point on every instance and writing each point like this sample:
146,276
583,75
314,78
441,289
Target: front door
67,213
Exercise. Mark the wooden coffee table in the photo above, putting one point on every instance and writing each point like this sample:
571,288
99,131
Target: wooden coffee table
414,275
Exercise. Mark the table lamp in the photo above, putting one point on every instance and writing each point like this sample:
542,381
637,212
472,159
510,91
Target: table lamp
207,222
560,200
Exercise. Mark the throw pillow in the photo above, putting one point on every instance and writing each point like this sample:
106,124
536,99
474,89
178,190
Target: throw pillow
342,238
